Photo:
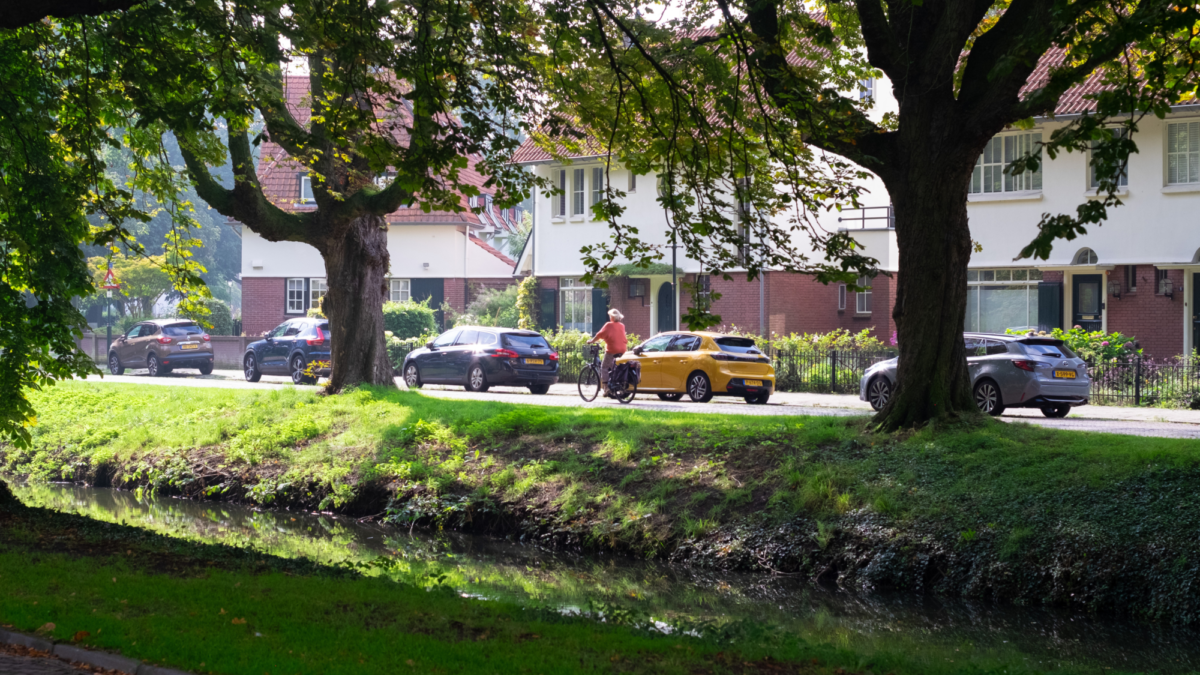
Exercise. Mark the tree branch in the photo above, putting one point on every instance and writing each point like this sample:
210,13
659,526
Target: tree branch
246,201
883,50
20,14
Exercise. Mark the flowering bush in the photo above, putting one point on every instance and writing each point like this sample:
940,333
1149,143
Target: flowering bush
1091,346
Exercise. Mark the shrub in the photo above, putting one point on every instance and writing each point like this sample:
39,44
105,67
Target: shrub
493,307
527,303
409,319
1091,346
219,317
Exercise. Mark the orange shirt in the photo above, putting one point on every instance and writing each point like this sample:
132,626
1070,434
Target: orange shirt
613,334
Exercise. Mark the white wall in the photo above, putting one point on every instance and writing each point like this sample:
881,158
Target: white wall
1154,225
410,246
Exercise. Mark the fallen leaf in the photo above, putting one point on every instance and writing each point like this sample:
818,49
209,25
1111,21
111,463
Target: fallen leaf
222,610
46,628
239,621
114,580
80,635
411,662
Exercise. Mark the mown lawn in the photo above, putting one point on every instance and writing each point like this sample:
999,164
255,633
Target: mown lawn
618,475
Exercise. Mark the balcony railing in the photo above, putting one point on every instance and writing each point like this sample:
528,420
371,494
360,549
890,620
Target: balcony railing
857,218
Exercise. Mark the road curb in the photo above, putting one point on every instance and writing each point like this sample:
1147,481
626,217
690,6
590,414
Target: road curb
96,659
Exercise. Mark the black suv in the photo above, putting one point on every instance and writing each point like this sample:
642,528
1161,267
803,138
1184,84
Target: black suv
288,349
478,358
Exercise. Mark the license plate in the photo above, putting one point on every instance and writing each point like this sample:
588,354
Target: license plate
189,346
1065,374
753,383
535,362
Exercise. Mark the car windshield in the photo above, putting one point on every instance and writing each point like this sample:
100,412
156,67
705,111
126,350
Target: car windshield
1050,348
183,330
526,340
738,345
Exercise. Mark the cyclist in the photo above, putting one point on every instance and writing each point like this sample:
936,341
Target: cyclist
613,335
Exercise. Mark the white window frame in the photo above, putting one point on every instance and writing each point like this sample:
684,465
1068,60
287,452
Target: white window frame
560,200
862,299
385,179
842,297
317,288
400,290
1131,278
597,185
294,296
306,186
988,177
574,292
578,192
866,89
1028,277
1123,179
1182,155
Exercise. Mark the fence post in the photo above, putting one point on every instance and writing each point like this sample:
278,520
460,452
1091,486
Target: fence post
833,371
1137,381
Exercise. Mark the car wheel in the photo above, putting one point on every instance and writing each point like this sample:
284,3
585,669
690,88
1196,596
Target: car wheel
987,397
1056,411
250,368
412,376
298,374
476,379
759,399
879,392
155,368
670,397
699,389
206,369
539,389
114,365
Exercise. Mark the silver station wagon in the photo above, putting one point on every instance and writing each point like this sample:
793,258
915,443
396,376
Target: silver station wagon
1007,371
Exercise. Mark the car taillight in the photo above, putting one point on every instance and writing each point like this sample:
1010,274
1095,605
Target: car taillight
553,356
1024,365
505,354
164,340
320,339
206,338
722,357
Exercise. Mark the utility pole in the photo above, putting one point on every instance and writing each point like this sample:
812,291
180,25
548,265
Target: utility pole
674,283
109,284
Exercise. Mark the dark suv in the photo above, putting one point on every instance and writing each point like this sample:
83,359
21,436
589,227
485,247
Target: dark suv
288,349
478,358
160,346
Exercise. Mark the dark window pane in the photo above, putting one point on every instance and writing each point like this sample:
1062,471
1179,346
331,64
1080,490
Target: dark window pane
184,330
737,345
526,340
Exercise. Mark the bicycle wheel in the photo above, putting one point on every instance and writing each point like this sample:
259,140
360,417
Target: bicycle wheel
626,395
589,383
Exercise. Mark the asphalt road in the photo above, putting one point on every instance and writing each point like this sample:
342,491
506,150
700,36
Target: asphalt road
1113,420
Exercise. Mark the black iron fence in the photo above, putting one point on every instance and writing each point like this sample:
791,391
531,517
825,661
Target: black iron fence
824,371
1174,383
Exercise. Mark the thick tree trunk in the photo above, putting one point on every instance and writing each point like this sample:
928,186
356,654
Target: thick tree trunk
356,267
930,198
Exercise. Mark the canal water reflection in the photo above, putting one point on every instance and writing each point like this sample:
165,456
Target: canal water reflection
927,630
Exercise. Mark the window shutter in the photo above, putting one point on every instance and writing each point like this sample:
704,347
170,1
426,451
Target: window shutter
1050,308
599,309
546,312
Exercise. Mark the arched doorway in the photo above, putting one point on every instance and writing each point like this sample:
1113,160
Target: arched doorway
666,307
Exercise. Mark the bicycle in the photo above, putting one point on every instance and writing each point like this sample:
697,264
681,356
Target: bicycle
589,381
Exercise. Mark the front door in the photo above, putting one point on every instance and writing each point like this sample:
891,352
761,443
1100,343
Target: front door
1087,301
678,362
666,308
279,348
1195,311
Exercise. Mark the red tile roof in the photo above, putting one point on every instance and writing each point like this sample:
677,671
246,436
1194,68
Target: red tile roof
1074,101
494,251
280,175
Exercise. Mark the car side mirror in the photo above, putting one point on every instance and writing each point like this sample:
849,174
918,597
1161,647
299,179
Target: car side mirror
430,347
637,351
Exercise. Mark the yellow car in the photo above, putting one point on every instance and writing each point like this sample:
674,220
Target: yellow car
703,365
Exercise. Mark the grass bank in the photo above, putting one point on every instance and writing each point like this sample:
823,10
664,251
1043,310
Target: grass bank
218,609
1007,511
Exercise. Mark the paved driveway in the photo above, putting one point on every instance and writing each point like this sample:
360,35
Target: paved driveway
1129,421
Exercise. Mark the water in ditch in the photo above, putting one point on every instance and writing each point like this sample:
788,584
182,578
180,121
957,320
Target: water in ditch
924,629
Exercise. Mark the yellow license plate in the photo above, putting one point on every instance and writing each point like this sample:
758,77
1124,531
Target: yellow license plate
753,383
535,362
189,346
1065,374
